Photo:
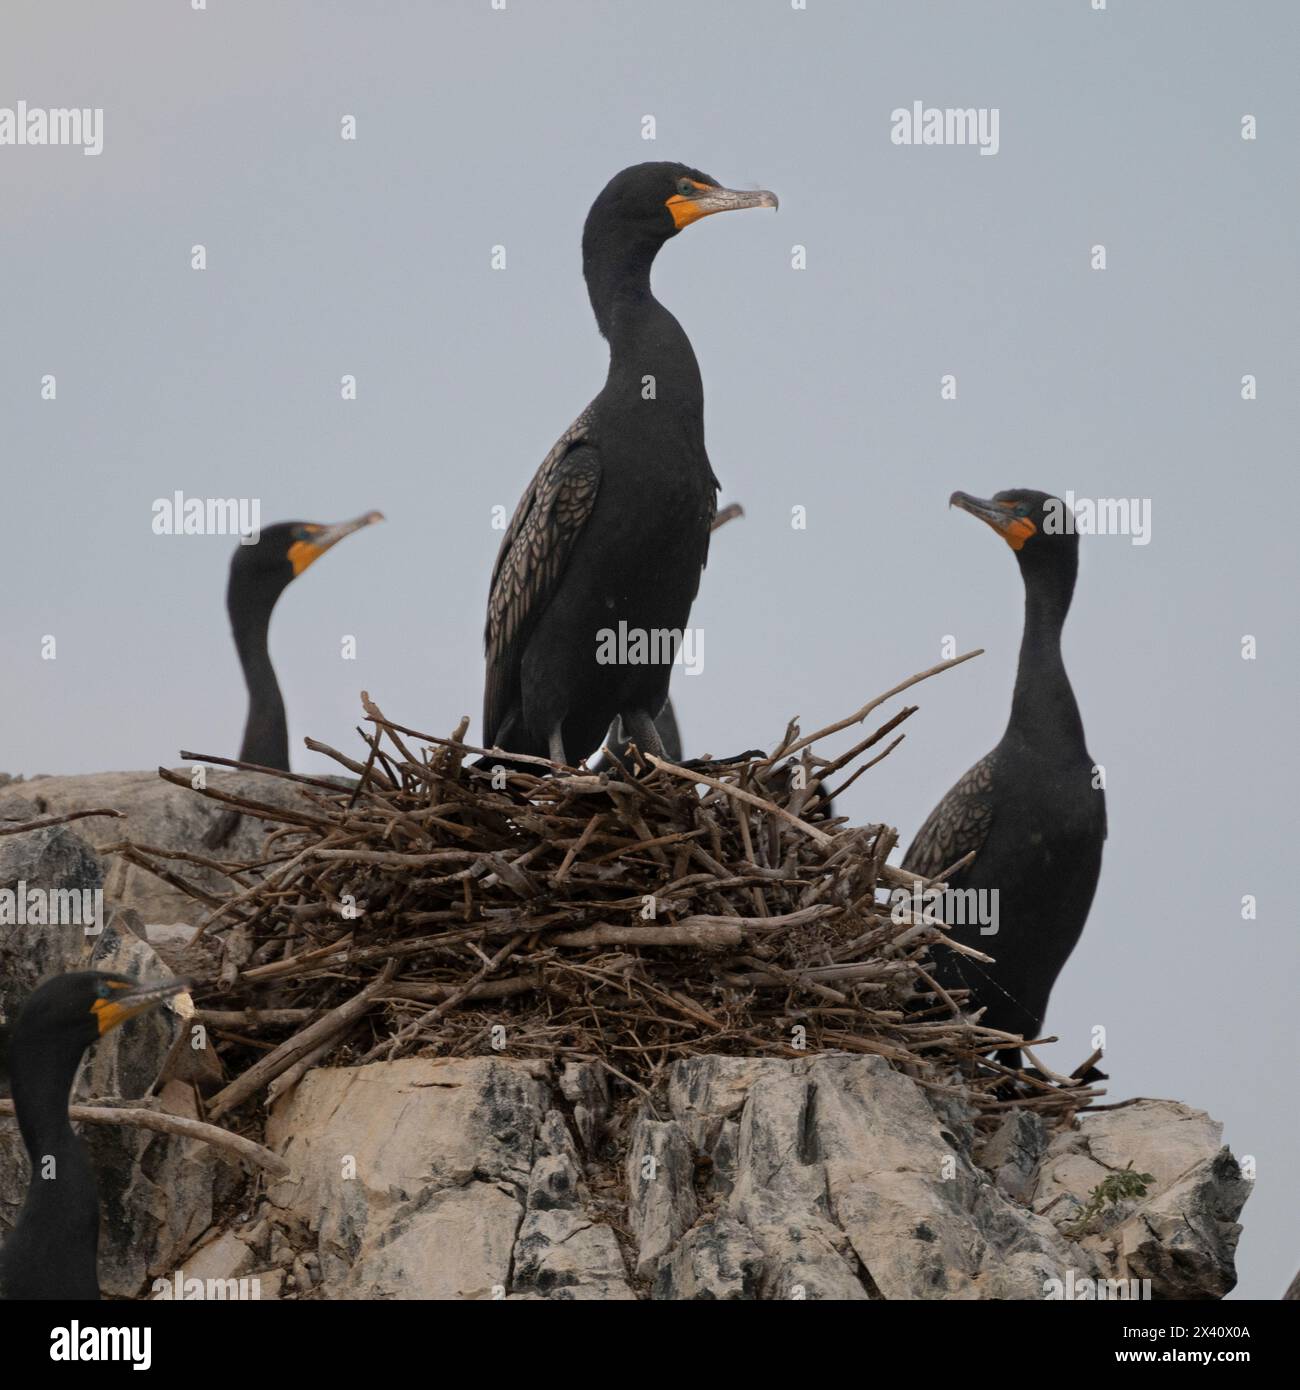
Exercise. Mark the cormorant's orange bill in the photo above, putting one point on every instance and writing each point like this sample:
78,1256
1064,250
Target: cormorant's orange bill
125,1001
705,199
320,538
1001,516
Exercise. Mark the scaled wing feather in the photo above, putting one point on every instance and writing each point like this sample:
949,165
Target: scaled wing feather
958,824
548,520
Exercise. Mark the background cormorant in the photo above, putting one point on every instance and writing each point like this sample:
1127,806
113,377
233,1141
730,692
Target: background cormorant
52,1250
259,574
614,527
1031,809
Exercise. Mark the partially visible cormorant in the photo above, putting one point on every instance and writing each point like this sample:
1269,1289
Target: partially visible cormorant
1031,809
52,1250
259,574
614,528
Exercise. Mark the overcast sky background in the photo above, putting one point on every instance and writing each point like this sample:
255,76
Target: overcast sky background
478,127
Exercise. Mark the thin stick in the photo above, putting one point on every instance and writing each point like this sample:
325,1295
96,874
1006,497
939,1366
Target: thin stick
705,936
739,794
870,705
6,829
181,1125
281,774
284,1056
450,1002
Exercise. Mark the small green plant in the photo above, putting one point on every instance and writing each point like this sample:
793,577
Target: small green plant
1119,1187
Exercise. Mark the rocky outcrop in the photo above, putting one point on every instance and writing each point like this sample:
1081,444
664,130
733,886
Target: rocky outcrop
1182,1236
836,1177
833,1177
827,1178
156,813
443,1179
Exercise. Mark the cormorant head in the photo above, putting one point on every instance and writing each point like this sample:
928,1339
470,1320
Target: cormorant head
73,1010
1036,525
648,203
283,551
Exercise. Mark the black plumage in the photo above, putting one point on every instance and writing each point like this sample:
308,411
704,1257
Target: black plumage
620,745
51,1252
259,574
1033,809
614,528
666,726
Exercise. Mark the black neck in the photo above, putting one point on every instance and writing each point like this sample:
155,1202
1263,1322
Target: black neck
1043,708
644,338
62,1198
266,733
41,1077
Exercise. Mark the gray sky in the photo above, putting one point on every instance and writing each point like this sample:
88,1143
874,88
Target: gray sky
477,127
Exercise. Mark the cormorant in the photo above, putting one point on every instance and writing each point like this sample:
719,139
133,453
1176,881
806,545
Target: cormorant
1032,809
51,1251
259,574
613,531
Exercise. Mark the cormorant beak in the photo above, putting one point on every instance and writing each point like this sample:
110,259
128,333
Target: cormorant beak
127,1001
690,207
1013,529
305,552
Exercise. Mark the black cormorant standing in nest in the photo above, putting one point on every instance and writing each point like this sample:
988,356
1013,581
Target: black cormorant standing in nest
259,574
1032,810
613,531
51,1251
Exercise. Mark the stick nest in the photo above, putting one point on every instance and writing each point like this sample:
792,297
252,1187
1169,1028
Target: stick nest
433,907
